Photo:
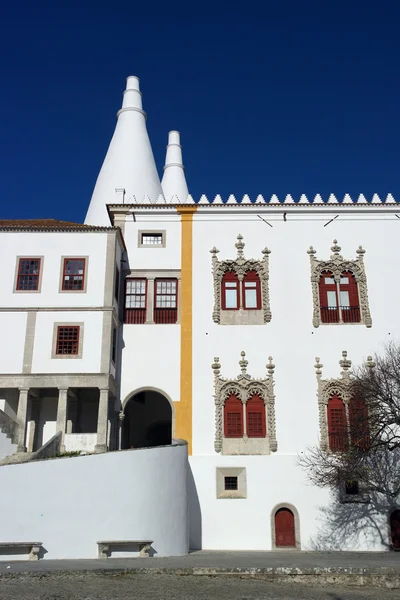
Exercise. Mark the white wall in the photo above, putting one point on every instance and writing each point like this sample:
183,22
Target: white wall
13,328
154,258
72,505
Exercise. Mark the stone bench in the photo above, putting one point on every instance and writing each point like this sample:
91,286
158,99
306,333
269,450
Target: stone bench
144,546
33,548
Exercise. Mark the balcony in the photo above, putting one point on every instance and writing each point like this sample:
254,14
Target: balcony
340,314
135,316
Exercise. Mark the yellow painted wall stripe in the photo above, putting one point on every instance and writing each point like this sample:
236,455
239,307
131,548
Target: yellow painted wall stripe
183,408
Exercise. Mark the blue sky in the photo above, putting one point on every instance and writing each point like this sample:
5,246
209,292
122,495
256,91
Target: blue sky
286,97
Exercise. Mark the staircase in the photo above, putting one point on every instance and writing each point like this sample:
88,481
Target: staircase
8,429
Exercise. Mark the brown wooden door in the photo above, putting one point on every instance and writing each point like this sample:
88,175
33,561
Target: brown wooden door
284,529
395,529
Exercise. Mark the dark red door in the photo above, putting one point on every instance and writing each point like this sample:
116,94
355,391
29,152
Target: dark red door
284,529
395,529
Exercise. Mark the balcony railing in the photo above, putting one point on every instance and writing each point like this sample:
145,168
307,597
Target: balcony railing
135,316
337,314
165,315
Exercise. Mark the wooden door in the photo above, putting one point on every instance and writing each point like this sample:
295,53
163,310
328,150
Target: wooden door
395,529
284,529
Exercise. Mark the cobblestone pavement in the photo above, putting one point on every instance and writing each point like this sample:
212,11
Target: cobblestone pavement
170,587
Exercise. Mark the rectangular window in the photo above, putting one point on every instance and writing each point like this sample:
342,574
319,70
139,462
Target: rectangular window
73,274
135,301
250,294
234,427
152,239
255,425
332,299
67,340
344,299
116,284
231,300
28,274
166,301
231,483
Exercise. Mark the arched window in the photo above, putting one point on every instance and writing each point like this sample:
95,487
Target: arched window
328,299
251,291
233,417
337,425
255,417
349,302
359,426
230,291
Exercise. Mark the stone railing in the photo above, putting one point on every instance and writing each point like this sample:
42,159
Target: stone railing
8,425
49,449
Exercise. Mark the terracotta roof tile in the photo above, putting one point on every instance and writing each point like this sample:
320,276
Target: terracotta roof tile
46,223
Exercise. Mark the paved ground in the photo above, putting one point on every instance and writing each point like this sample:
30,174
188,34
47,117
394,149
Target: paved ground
112,586
220,560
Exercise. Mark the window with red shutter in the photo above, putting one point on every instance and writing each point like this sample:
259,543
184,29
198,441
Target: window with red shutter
251,291
328,300
337,425
166,301
230,297
233,417
255,417
28,274
349,302
135,301
359,426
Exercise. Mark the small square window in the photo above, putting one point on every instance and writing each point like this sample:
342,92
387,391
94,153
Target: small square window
67,340
151,239
231,483
352,488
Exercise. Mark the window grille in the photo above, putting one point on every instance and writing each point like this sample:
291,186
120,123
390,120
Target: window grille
73,274
166,301
28,274
67,340
152,239
135,301
231,483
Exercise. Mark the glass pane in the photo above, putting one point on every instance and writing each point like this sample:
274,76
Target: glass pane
329,280
250,284
344,299
344,280
332,300
230,284
231,299
251,298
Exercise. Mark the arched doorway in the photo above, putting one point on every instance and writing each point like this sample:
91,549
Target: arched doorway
148,421
285,532
395,529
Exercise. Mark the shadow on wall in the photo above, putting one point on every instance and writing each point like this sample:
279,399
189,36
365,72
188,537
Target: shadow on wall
195,528
371,518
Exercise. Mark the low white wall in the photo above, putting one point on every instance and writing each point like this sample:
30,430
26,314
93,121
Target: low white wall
71,503
84,442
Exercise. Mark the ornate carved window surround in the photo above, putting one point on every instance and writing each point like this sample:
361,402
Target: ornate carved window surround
327,388
240,266
338,265
244,387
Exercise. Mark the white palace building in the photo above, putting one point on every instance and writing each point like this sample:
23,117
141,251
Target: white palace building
187,347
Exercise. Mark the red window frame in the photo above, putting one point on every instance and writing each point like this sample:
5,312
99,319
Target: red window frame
328,315
166,300
337,425
255,417
68,285
68,337
233,417
359,425
27,279
135,315
252,277
230,277
350,314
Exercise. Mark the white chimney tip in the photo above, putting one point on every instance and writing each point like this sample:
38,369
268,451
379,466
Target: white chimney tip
132,83
174,137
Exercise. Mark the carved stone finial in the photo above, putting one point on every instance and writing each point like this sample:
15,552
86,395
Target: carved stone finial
243,363
266,251
216,366
240,245
270,366
335,248
345,363
360,251
214,251
370,362
311,251
318,366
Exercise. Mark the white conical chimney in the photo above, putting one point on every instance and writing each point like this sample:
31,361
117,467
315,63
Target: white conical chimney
129,162
174,182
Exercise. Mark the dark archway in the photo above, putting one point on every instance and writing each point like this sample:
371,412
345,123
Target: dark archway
395,529
148,421
285,536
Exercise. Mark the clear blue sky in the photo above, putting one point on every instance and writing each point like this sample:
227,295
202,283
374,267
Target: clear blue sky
274,97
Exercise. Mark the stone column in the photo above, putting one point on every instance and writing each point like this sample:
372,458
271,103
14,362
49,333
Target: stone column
62,414
35,414
150,301
21,418
102,422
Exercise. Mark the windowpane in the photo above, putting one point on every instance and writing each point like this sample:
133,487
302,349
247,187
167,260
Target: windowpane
329,281
73,277
28,274
231,284
231,299
152,239
231,483
332,303
135,301
344,299
250,284
344,280
67,340
250,298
